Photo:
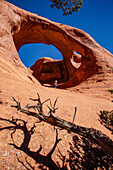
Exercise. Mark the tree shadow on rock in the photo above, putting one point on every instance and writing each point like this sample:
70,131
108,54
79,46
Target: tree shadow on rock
106,119
83,153
44,162
87,155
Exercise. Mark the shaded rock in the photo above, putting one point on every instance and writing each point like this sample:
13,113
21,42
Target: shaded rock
19,27
47,70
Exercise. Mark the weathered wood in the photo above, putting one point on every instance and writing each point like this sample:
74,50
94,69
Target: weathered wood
94,135
74,115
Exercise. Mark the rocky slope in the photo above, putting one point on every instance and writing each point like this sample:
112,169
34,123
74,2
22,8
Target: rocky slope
85,87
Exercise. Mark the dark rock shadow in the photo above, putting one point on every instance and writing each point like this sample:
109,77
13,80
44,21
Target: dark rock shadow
109,127
87,155
43,162
105,124
83,153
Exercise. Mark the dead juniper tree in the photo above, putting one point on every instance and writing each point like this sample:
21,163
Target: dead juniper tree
94,135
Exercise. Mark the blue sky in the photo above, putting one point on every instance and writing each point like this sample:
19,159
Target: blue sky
95,17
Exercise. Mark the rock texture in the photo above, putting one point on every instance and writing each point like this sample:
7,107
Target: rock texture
19,27
47,70
93,64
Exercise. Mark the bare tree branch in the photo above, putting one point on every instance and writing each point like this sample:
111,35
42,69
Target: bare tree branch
74,115
95,135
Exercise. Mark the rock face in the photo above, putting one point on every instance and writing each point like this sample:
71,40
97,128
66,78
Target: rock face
47,70
19,27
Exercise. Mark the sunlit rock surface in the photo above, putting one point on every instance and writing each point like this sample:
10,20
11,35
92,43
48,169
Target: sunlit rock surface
91,66
19,27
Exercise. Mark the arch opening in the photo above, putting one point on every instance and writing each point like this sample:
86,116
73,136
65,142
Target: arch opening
45,62
46,70
30,53
76,59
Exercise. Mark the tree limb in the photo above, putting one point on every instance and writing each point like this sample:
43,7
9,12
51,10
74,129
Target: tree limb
95,135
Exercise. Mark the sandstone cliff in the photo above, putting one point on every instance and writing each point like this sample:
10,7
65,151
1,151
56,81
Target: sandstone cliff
87,75
19,27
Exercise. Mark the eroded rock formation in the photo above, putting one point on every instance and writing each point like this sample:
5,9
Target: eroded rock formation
19,27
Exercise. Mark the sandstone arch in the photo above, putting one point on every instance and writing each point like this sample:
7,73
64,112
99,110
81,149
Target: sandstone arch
19,27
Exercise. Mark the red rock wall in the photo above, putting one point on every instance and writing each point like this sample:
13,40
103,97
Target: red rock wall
19,27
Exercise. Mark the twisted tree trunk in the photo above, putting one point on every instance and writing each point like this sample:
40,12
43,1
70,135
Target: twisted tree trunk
94,135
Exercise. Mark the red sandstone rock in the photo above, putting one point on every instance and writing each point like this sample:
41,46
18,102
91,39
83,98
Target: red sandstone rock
18,27
47,70
24,27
